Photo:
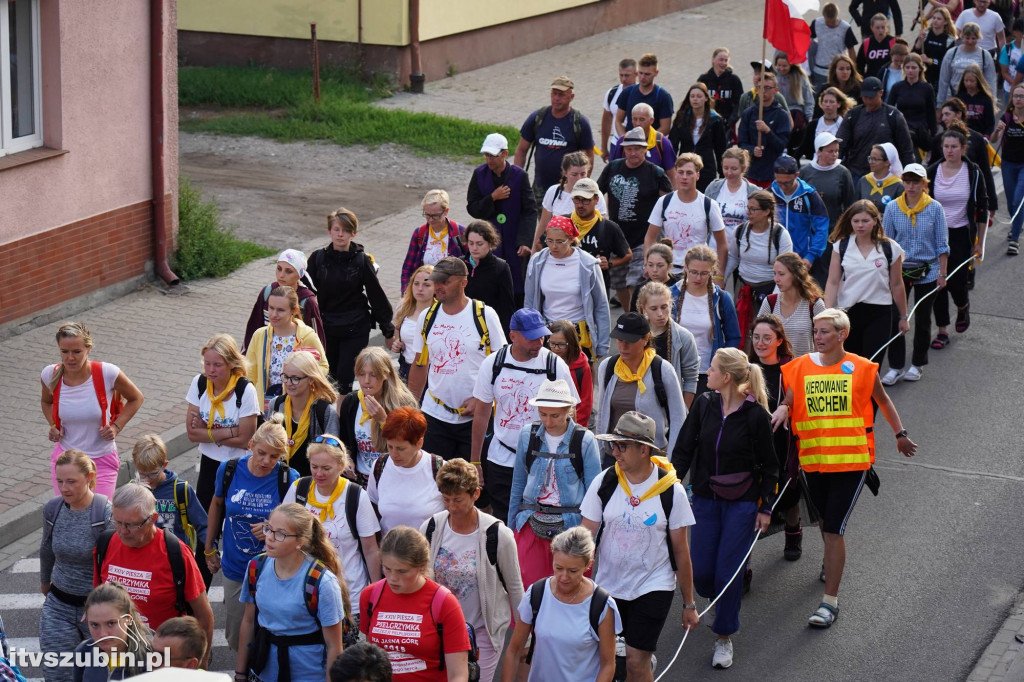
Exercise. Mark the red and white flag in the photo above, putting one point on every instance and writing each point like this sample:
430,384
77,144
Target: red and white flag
785,28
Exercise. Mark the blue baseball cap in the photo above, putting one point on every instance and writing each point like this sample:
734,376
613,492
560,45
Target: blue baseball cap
529,323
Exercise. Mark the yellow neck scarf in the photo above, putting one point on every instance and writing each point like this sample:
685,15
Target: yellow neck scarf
217,402
912,211
623,373
438,239
294,443
660,486
582,225
878,186
362,403
326,509
652,138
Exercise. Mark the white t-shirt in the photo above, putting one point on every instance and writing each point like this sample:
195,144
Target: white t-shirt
990,23
454,358
408,333
341,537
612,108
560,282
733,206
436,249
79,411
563,204
512,392
232,415
697,321
405,496
455,567
633,555
686,224
366,455
756,259
567,648
866,279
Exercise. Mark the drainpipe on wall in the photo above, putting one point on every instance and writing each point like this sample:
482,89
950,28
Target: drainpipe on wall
156,115
416,78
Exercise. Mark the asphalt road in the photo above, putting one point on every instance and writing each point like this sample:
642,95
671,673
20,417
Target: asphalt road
934,563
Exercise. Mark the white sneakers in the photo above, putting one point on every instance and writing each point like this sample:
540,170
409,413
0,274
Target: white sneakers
894,375
722,657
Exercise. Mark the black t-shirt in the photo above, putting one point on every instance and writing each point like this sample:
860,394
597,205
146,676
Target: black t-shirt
661,344
632,194
605,239
935,48
1013,139
873,55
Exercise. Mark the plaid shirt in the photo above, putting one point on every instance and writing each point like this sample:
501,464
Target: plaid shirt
923,243
418,246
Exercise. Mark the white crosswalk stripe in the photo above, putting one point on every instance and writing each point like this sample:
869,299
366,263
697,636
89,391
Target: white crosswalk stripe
26,566
12,602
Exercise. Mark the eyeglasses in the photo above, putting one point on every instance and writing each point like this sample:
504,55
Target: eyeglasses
432,216
875,159
294,381
278,535
330,440
558,242
697,274
583,200
131,526
751,209
621,445
558,344
150,476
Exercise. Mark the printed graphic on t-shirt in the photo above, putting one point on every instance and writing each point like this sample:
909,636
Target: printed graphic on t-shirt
458,570
449,345
168,514
626,190
513,405
631,537
136,582
556,141
241,524
393,631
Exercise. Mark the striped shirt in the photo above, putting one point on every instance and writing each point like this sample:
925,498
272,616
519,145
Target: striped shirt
923,243
800,325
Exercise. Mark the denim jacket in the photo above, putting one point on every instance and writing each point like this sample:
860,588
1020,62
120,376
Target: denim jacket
526,485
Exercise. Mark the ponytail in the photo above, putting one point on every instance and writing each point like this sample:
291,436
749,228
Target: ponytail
754,385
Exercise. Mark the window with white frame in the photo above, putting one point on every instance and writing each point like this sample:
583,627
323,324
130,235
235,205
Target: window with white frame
20,88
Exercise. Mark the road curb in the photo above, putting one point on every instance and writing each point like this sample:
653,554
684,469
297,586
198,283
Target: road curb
20,520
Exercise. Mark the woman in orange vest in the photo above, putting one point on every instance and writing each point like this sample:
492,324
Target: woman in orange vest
828,402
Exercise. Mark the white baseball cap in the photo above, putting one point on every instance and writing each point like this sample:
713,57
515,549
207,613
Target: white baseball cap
494,144
824,140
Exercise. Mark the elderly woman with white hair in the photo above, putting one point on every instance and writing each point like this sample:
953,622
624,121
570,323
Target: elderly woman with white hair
290,271
440,236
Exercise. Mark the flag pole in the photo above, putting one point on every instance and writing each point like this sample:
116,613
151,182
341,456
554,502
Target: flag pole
764,55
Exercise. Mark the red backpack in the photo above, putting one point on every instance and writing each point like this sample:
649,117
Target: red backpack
116,404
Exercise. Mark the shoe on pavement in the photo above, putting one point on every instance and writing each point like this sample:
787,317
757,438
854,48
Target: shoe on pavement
1013,248
722,657
892,376
794,544
913,374
824,616
963,318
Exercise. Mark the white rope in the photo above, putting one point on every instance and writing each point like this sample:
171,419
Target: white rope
719,595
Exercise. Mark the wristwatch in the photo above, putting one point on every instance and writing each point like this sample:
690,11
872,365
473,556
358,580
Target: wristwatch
691,605
901,434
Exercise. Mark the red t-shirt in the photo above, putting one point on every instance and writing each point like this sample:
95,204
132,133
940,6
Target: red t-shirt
146,574
402,626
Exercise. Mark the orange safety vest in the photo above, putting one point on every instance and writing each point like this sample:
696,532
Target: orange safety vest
832,414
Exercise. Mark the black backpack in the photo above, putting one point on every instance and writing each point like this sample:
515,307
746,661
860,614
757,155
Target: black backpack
844,244
174,556
538,120
744,229
302,487
239,389
490,545
598,602
667,199
436,462
659,383
607,488
575,455
283,477
551,370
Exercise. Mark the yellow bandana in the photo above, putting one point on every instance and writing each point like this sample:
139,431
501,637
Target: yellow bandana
438,239
582,225
878,186
326,509
303,429
660,486
217,402
362,403
652,138
623,373
911,212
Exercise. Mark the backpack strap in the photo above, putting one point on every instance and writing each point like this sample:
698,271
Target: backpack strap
538,120
552,367
707,211
667,502
605,490
56,398
102,543
499,364
320,412
284,480
533,446
302,487
428,322
311,589
771,298
536,597
491,547
239,391
51,510
887,250
181,504
201,385
607,378
481,326
844,244
229,474
378,467
436,603
431,527
96,368
598,603
376,590
665,201
576,449
578,375
177,561
253,571
659,386
352,493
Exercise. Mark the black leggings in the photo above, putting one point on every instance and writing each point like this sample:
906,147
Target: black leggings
869,328
922,327
343,345
961,243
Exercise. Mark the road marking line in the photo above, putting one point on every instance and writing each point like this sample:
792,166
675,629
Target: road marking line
26,566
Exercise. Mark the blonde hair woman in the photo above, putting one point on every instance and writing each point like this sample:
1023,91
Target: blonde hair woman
363,412
726,446
418,296
440,236
307,406
71,524
247,490
71,390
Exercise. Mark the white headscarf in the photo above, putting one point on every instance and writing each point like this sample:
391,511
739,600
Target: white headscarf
895,167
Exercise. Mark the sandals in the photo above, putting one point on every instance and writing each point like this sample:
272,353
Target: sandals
940,341
824,616
963,318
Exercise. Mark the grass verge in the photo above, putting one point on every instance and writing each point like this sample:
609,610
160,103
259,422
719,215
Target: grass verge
206,248
345,115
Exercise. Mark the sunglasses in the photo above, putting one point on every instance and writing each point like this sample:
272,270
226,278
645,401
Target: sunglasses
330,440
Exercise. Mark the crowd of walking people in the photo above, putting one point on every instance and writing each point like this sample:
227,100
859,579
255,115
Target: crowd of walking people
498,491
